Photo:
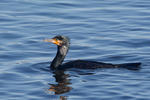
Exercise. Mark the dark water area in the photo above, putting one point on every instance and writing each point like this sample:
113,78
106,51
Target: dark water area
100,30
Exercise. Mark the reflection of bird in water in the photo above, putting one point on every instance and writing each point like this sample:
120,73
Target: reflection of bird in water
63,43
63,98
63,82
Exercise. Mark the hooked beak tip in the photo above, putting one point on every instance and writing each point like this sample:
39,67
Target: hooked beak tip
48,40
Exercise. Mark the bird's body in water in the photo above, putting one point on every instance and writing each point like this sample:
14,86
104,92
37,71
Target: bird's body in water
63,44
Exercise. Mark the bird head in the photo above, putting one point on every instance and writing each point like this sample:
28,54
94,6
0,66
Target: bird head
59,40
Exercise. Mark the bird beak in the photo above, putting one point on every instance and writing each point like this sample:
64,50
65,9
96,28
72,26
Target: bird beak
54,41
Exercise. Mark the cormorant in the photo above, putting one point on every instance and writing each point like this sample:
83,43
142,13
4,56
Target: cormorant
63,43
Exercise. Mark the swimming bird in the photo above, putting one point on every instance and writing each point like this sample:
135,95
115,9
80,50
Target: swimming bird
63,44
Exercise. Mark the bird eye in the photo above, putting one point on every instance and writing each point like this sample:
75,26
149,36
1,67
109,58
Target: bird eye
56,39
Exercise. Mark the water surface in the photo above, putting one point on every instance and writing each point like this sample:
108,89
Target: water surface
100,30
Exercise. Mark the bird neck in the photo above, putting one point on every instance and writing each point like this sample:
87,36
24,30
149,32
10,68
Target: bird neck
60,56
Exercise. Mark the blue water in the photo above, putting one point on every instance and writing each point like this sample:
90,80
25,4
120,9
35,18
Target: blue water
116,31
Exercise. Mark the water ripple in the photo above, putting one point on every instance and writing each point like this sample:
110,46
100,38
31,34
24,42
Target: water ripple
107,31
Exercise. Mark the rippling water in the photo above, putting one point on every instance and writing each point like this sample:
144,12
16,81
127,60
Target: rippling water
100,30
